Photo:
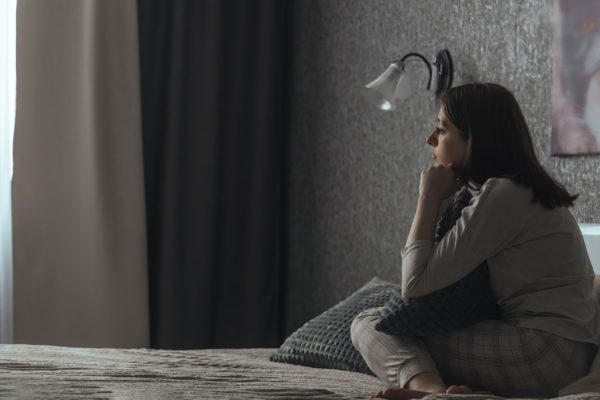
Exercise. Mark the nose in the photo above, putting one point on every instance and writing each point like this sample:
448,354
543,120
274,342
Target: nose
432,138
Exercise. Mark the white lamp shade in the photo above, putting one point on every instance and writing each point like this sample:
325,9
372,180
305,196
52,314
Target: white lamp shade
384,90
433,85
404,88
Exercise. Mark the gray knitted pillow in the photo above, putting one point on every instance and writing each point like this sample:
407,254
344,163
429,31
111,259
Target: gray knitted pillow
325,342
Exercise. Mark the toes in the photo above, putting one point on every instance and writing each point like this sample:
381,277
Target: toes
453,389
459,389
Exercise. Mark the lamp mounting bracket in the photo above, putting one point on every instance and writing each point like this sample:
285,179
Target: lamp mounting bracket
444,69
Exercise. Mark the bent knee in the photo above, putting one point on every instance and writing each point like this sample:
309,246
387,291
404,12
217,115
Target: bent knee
363,324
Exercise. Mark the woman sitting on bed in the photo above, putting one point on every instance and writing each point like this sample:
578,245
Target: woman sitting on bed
518,220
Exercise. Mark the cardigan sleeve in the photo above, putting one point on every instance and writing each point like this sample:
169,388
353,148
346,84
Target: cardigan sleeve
488,225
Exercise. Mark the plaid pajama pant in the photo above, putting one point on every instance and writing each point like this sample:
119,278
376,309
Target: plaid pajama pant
493,355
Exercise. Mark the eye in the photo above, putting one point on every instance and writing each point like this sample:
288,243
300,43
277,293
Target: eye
439,130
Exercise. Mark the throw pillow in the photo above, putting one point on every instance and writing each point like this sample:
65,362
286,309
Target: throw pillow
325,342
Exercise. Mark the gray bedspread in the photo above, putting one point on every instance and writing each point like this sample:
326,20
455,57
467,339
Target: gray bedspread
45,372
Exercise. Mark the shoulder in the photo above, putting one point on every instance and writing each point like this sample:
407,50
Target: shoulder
504,188
504,193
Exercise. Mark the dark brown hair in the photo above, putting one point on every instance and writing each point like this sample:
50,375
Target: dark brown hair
501,144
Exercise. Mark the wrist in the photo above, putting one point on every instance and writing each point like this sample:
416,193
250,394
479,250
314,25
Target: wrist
430,199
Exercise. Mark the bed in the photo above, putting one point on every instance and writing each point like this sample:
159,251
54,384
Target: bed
46,372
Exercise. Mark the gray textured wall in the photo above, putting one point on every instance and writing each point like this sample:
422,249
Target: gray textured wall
355,170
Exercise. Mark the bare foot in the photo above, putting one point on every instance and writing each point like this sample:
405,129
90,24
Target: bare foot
459,389
462,389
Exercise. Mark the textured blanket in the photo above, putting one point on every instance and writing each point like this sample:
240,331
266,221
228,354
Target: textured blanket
45,372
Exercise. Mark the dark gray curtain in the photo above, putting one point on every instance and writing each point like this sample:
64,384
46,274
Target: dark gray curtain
213,84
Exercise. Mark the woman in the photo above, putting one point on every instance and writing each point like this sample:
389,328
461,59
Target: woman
518,220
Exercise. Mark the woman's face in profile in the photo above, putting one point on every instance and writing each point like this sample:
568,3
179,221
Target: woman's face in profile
448,146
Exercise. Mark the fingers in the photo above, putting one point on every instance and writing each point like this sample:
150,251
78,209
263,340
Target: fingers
439,181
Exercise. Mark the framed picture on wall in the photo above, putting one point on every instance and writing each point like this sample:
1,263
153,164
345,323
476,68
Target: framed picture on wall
576,78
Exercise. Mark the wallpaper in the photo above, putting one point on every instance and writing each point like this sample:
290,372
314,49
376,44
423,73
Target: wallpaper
354,169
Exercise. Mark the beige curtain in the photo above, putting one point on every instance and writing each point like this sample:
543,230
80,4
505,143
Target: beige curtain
7,122
78,204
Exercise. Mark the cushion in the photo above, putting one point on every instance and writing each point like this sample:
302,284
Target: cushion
459,305
464,303
325,342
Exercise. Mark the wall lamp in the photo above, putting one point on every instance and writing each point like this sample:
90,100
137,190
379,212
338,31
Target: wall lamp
395,84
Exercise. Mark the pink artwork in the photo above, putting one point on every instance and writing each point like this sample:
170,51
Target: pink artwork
576,78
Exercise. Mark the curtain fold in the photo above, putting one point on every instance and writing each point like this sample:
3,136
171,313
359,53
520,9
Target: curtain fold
80,276
8,11
213,79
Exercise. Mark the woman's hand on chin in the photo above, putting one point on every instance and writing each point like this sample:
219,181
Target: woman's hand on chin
439,182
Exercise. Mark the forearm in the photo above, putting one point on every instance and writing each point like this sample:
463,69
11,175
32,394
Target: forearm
437,183
423,228
425,219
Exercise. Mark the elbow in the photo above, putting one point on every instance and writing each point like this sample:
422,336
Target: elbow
414,278
411,289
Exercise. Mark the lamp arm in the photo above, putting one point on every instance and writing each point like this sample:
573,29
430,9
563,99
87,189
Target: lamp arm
404,57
